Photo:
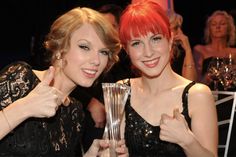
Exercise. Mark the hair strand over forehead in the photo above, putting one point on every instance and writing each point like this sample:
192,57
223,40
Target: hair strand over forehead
142,17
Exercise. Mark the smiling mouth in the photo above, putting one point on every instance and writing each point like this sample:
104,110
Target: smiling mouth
151,63
90,73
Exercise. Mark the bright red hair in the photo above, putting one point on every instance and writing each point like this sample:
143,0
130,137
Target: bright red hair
143,17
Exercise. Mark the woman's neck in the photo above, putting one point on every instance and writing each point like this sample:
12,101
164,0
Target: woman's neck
218,44
166,80
62,83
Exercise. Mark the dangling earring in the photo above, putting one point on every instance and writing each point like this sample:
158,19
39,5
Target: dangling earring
58,56
59,60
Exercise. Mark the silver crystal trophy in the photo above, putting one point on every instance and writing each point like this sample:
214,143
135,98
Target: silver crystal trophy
115,96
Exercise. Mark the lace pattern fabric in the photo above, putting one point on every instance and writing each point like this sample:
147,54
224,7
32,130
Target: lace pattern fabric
56,136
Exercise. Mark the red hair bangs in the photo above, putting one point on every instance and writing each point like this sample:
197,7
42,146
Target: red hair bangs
141,18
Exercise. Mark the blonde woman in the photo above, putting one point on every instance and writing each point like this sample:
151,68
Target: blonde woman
219,35
37,117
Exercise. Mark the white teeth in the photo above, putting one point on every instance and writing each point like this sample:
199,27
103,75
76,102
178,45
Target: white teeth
150,62
90,71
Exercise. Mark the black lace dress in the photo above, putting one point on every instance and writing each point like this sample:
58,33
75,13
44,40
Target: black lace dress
56,136
142,138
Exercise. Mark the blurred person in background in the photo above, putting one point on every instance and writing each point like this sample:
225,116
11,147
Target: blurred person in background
219,36
182,61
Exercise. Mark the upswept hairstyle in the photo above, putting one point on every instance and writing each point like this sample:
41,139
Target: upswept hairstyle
143,17
58,39
230,24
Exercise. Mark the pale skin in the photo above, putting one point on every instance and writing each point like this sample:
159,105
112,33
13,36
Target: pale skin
151,93
85,60
218,46
94,149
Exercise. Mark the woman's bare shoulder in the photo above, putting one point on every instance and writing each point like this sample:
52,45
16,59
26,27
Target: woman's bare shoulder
201,99
200,48
200,88
200,94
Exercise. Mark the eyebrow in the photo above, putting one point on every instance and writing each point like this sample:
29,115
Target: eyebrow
83,40
90,44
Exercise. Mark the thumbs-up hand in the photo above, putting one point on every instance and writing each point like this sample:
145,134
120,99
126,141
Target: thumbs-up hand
44,99
48,78
177,115
174,128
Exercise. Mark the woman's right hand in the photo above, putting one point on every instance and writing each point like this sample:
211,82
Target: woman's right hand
44,99
181,38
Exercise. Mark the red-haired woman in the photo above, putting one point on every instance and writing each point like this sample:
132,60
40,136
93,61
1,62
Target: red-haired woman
166,114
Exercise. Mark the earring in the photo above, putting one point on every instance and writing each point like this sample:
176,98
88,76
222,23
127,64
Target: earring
58,56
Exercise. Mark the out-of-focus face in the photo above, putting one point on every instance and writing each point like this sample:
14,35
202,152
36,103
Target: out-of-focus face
218,26
87,57
150,53
110,17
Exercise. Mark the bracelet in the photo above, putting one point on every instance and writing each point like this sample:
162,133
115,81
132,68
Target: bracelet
4,115
188,65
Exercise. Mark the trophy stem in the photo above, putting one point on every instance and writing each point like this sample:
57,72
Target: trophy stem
115,97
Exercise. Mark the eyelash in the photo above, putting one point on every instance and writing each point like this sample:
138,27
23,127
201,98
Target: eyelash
156,38
84,47
135,43
106,53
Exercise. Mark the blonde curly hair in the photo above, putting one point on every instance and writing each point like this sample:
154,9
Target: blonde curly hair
58,39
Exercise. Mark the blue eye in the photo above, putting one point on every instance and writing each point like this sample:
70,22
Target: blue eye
84,47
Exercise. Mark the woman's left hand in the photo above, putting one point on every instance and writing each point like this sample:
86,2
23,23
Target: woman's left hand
183,40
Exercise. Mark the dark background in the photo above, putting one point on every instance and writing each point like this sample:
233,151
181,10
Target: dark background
24,23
